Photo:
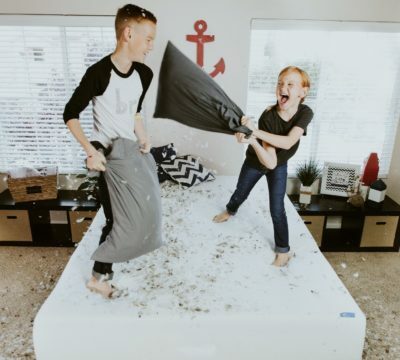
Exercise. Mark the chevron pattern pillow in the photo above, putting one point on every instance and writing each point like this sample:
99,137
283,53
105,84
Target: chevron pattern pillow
187,171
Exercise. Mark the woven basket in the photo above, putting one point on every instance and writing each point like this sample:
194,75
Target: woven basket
33,188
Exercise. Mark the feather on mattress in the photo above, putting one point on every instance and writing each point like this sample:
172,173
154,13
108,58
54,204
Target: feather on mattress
208,293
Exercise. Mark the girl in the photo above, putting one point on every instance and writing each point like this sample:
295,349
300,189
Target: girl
271,145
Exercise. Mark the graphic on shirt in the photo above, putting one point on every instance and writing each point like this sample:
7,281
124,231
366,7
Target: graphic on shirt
122,107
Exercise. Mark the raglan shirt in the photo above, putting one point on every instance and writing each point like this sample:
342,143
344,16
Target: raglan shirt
115,96
271,122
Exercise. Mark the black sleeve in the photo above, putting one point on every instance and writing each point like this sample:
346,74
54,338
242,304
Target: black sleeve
81,96
304,119
146,75
93,83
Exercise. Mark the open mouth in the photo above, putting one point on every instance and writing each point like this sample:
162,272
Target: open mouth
284,98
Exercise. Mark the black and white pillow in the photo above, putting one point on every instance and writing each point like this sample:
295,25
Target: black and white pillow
187,171
161,154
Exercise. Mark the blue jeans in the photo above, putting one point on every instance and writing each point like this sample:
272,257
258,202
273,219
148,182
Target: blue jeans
276,179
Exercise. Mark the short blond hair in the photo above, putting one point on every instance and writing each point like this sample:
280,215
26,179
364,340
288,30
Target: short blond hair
305,79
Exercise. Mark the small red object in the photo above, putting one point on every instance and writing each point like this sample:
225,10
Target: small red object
371,169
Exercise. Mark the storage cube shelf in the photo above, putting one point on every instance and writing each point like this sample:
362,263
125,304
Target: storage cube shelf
338,226
55,222
14,225
316,226
379,231
80,222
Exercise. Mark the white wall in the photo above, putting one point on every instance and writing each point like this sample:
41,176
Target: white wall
230,22
393,182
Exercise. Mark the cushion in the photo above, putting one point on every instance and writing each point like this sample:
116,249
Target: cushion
163,153
162,175
160,154
187,171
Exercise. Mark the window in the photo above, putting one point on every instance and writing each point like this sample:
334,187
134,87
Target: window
355,73
40,66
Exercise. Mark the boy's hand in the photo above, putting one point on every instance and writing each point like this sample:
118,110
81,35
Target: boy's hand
96,161
248,123
145,146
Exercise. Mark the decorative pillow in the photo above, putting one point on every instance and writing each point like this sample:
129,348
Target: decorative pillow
187,171
162,175
163,153
160,154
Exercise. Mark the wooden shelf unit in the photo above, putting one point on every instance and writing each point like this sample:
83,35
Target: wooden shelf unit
338,226
55,222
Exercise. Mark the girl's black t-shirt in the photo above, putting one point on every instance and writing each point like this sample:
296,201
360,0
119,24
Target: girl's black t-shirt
271,122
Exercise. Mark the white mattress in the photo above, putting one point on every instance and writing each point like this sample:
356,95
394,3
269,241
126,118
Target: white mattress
209,293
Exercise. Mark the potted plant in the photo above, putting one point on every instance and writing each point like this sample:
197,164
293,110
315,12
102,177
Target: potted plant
307,172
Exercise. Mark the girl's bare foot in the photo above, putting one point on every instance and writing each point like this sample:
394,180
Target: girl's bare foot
102,287
282,259
224,216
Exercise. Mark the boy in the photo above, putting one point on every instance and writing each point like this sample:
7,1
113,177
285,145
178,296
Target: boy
117,85
271,146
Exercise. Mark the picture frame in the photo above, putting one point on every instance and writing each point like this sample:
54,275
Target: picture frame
338,177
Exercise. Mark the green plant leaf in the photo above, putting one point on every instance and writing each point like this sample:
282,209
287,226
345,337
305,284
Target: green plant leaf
308,171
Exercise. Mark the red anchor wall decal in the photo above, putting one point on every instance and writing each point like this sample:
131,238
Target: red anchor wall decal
200,26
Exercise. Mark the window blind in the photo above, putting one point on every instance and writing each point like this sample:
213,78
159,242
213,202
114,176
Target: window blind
354,86
40,67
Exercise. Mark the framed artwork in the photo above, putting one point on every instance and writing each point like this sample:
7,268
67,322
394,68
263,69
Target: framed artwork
337,177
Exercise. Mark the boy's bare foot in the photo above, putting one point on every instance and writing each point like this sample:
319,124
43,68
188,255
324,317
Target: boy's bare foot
282,259
224,216
102,287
